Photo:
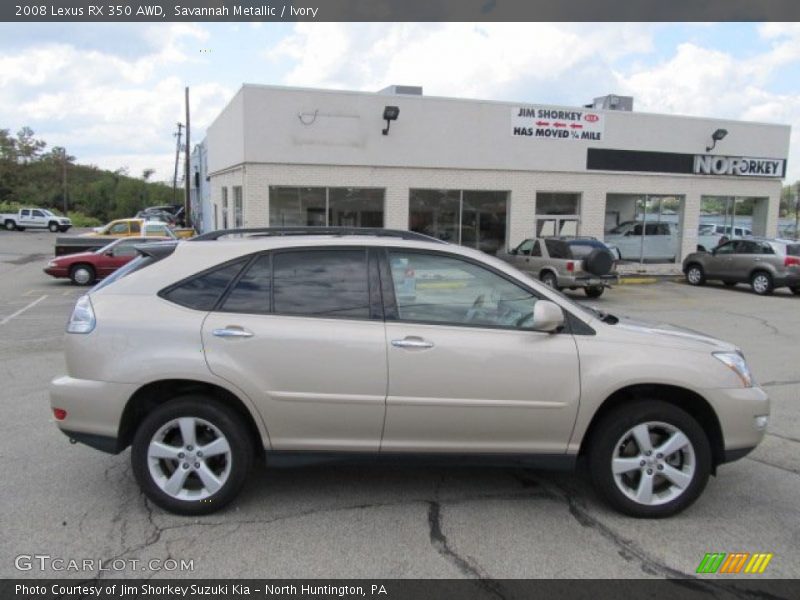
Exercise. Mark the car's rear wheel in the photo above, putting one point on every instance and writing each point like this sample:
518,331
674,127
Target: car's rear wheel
82,274
649,459
761,282
594,292
9,225
549,279
695,275
191,456
53,227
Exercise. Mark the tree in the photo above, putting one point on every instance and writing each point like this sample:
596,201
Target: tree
28,147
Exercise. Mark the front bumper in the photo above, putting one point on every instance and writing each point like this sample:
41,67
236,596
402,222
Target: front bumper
737,410
56,271
94,409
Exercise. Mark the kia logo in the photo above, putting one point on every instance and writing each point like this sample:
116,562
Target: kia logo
591,118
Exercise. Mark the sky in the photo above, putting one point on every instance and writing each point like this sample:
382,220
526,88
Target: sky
112,93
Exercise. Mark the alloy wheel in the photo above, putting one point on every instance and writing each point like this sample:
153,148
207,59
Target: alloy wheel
653,463
189,458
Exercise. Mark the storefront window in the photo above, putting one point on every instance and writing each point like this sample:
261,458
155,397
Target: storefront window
646,228
355,207
224,208
557,214
238,213
727,217
471,218
319,207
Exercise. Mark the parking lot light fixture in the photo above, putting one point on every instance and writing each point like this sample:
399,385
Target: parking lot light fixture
718,135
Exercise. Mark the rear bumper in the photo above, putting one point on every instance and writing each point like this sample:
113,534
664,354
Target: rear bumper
94,409
789,280
587,280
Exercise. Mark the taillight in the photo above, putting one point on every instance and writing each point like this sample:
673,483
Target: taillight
82,319
791,261
570,266
60,414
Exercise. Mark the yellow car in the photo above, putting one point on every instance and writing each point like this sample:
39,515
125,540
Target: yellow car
131,228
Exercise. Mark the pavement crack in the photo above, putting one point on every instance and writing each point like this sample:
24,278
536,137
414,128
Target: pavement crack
463,564
780,383
783,437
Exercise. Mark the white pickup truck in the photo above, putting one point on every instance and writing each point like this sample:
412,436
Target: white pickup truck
34,218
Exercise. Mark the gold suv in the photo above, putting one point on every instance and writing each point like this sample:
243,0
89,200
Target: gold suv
336,343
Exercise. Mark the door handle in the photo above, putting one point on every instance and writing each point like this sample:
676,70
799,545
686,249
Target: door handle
412,342
232,332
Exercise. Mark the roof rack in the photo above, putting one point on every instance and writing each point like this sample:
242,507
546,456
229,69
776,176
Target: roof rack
341,231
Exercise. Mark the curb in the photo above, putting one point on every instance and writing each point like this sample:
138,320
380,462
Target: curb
647,279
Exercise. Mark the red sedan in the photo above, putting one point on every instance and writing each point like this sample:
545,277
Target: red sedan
85,268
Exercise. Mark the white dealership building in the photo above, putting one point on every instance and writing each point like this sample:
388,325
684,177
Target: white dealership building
489,174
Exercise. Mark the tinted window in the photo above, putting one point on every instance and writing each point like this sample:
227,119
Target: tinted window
726,248
38,213
432,288
321,283
537,249
793,249
557,249
202,291
251,292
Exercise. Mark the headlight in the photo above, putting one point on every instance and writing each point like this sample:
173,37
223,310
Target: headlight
736,363
82,319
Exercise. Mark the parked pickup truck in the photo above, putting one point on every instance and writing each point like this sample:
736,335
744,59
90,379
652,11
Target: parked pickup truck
88,243
34,218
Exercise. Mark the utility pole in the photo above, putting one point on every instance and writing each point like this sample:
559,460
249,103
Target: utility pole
64,176
177,158
187,179
797,211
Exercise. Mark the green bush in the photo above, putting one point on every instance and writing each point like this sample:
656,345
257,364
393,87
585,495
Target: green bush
81,220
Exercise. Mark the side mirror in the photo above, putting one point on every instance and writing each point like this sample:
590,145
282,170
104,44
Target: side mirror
512,251
547,316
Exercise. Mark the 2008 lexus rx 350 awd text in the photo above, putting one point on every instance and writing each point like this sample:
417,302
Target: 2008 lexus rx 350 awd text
202,355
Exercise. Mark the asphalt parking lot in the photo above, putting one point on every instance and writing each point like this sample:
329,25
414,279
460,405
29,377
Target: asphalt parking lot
72,502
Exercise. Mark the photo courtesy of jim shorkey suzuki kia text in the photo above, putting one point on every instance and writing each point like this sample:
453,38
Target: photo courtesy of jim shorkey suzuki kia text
236,590
263,11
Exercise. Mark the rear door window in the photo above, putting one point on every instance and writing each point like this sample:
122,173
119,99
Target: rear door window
203,291
558,249
251,293
321,283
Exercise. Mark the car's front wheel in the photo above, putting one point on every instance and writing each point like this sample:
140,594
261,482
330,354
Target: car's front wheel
695,275
82,274
191,456
649,459
53,227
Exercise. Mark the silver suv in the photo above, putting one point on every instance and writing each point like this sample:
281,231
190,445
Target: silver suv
764,263
370,342
577,262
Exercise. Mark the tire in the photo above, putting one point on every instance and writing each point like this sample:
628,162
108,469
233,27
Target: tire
53,227
594,292
598,262
82,274
9,225
549,279
795,290
213,422
761,282
689,463
729,283
695,275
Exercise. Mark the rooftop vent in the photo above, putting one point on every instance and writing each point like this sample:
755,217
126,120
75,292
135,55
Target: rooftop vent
408,90
612,102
